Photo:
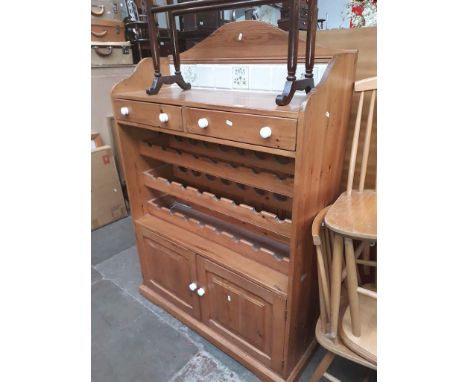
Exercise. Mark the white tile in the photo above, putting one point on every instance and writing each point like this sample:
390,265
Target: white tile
223,76
320,71
205,76
278,77
300,71
259,77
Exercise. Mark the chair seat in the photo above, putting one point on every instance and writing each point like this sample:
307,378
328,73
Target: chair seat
339,348
354,215
366,344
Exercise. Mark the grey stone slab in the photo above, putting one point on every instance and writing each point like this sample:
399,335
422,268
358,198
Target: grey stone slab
111,239
123,269
95,275
129,343
241,371
112,311
203,367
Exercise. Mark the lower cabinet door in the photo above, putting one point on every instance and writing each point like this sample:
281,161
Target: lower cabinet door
169,270
247,315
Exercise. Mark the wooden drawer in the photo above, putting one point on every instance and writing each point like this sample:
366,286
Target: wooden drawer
169,270
242,127
107,30
149,114
246,314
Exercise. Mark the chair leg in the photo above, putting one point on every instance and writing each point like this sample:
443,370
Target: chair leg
336,283
323,313
366,256
322,367
351,281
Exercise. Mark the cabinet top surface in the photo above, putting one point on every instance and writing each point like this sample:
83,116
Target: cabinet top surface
231,100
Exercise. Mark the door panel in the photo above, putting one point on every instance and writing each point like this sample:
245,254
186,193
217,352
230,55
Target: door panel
246,314
169,269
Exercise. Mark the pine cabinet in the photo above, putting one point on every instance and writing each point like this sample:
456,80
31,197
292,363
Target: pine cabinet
223,187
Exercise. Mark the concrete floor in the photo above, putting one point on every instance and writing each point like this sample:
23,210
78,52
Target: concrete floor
136,341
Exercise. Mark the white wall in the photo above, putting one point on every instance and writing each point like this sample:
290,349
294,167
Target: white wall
334,9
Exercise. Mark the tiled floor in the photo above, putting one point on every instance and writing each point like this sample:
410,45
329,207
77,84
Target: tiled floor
136,341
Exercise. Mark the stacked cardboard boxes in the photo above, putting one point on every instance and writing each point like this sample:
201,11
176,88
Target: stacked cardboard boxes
107,201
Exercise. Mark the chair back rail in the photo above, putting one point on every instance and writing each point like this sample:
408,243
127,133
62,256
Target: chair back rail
363,86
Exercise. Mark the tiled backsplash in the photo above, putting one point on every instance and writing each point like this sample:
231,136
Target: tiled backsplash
266,77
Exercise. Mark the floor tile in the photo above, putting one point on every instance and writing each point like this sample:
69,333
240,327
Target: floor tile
129,343
203,367
95,275
111,239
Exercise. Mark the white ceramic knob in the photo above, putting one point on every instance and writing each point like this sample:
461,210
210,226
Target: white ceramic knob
124,111
200,292
193,287
163,117
202,123
265,132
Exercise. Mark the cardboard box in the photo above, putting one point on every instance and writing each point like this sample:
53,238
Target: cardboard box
107,202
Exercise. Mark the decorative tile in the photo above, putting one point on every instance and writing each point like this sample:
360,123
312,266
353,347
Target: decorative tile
240,77
255,77
189,72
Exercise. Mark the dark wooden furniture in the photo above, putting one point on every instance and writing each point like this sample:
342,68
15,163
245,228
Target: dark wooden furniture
285,20
194,27
291,85
223,187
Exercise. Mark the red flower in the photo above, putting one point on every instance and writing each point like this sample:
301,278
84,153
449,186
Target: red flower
357,10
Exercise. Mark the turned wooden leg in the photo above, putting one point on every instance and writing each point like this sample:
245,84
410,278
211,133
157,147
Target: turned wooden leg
336,283
322,367
352,285
323,316
366,256
323,280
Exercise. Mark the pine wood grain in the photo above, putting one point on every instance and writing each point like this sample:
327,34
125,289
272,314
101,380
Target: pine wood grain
365,40
354,215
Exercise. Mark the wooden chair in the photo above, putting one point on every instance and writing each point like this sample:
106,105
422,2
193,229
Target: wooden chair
351,225
353,218
326,331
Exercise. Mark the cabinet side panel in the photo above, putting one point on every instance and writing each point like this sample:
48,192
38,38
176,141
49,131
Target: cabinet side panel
319,163
133,166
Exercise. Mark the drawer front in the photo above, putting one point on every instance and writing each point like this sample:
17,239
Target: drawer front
277,132
244,313
169,270
149,114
